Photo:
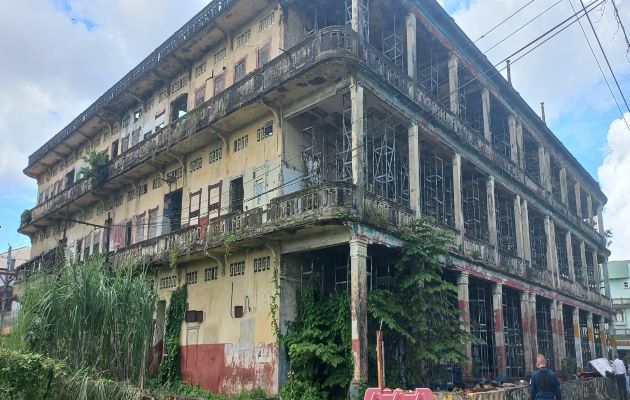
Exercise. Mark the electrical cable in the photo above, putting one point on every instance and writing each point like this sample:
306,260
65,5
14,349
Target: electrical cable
504,21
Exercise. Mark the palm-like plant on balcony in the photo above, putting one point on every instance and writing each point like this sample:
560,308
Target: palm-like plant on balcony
97,168
26,217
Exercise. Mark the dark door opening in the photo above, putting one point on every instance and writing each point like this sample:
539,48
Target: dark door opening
236,195
179,107
172,212
69,179
114,149
128,230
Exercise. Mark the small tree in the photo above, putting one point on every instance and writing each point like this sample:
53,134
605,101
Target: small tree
26,217
97,168
418,309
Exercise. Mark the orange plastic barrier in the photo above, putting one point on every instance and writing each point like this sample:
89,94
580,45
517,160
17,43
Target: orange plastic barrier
398,394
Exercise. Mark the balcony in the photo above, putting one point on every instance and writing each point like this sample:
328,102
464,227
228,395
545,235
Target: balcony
326,45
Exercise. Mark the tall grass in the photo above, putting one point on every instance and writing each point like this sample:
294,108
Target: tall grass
95,318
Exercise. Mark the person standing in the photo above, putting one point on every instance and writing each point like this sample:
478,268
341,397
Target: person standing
619,370
544,384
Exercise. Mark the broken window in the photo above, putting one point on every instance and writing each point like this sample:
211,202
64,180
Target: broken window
532,161
513,332
200,95
214,200
506,230
482,327
590,270
569,335
219,83
159,120
179,107
239,70
263,55
172,211
152,223
562,255
114,149
236,195
69,179
135,137
194,208
555,180
584,336
265,131
128,232
140,228
577,262
475,206
124,144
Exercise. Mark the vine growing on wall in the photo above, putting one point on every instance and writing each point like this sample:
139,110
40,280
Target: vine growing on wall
318,345
170,368
418,309
274,303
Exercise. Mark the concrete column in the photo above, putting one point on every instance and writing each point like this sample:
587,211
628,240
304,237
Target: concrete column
464,315
563,186
518,227
527,339
557,326
578,338
358,130
613,339
519,143
570,256
457,196
513,139
596,271
492,212
499,334
544,163
414,169
412,58
485,107
552,253
600,220
591,335
525,226
578,199
606,278
584,267
358,308
589,209
533,327
453,83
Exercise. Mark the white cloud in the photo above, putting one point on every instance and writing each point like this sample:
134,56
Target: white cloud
53,67
613,175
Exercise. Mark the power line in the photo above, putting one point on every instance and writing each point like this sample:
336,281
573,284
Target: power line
606,58
601,70
504,21
618,18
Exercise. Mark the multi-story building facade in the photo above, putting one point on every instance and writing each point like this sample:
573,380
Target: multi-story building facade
619,277
291,139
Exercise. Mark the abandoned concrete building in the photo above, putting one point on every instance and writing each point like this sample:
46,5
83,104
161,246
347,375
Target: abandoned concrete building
297,137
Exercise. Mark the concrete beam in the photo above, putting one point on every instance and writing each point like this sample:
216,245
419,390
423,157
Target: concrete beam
412,58
499,334
415,200
358,309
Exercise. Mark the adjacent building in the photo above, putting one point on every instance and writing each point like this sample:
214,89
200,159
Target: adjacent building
619,275
271,142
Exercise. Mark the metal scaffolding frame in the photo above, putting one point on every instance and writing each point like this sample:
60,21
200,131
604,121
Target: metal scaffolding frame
314,19
429,76
316,149
555,181
590,271
532,162
571,196
586,347
506,230
474,203
544,332
561,251
393,46
513,332
383,160
597,335
364,9
437,187
471,109
538,239
343,143
577,262
568,333
482,327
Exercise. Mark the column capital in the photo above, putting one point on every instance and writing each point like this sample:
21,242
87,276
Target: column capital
358,248
497,288
463,278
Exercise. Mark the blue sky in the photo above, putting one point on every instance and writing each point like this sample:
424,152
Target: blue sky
71,51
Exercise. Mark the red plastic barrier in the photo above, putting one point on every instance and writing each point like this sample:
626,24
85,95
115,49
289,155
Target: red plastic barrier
398,394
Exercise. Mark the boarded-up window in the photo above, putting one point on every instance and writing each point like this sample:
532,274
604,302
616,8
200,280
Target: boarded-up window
140,225
214,200
200,95
124,144
195,204
135,137
219,84
160,120
153,215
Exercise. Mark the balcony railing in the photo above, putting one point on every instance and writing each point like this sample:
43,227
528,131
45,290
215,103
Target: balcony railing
326,44
479,250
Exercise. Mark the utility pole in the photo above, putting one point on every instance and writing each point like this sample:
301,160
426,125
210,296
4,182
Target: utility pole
8,273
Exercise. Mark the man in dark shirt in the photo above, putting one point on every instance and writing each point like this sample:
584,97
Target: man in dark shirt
544,384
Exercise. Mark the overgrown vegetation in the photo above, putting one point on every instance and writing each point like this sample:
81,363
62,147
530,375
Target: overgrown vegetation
418,310
97,168
26,217
318,345
170,370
